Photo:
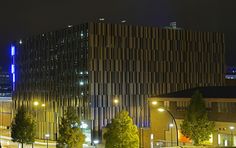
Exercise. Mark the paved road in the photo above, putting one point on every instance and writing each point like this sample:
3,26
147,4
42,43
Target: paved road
6,142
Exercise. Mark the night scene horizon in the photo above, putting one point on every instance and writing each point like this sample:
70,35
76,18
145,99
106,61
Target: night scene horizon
117,74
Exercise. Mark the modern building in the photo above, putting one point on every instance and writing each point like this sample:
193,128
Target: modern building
220,103
89,65
5,100
5,85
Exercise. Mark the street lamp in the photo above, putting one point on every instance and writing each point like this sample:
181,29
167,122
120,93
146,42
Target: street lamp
171,125
232,134
36,103
47,137
116,102
162,110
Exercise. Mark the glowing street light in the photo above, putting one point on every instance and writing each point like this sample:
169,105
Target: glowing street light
47,137
232,134
154,102
162,110
115,101
36,103
171,125
231,127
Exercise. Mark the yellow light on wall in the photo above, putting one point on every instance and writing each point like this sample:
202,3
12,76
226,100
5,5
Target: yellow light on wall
154,102
36,103
161,109
115,101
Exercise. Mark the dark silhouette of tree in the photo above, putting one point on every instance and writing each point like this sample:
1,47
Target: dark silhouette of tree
23,127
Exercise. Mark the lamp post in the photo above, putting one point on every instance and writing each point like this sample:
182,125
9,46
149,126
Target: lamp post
47,137
232,134
162,110
116,102
171,125
36,104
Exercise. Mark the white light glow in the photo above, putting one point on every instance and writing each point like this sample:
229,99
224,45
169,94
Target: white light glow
123,21
36,103
47,135
151,136
95,141
219,140
101,19
161,109
171,125
81,83
83,125
231,127
154,102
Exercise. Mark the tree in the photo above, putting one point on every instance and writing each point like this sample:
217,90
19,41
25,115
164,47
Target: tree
69,130
122,133
196,125
23,127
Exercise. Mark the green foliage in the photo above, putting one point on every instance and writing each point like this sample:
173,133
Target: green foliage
122,133
69,130
196,125
23,127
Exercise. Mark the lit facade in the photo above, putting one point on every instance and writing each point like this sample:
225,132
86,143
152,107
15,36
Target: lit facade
220,103
87,66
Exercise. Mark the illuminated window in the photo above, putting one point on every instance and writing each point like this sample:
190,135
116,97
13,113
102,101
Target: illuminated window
81,83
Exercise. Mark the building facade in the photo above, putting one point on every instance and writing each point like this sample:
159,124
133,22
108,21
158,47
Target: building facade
220,103
87,66
5,85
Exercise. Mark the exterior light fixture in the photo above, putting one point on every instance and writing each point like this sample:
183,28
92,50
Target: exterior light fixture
171,125
95,141
47,137
231,127
36,103
20,42
161,109
101,19
123,21
154,102
81,83
43,105
116,101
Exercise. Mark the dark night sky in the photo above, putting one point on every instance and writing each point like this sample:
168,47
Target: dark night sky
19,18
